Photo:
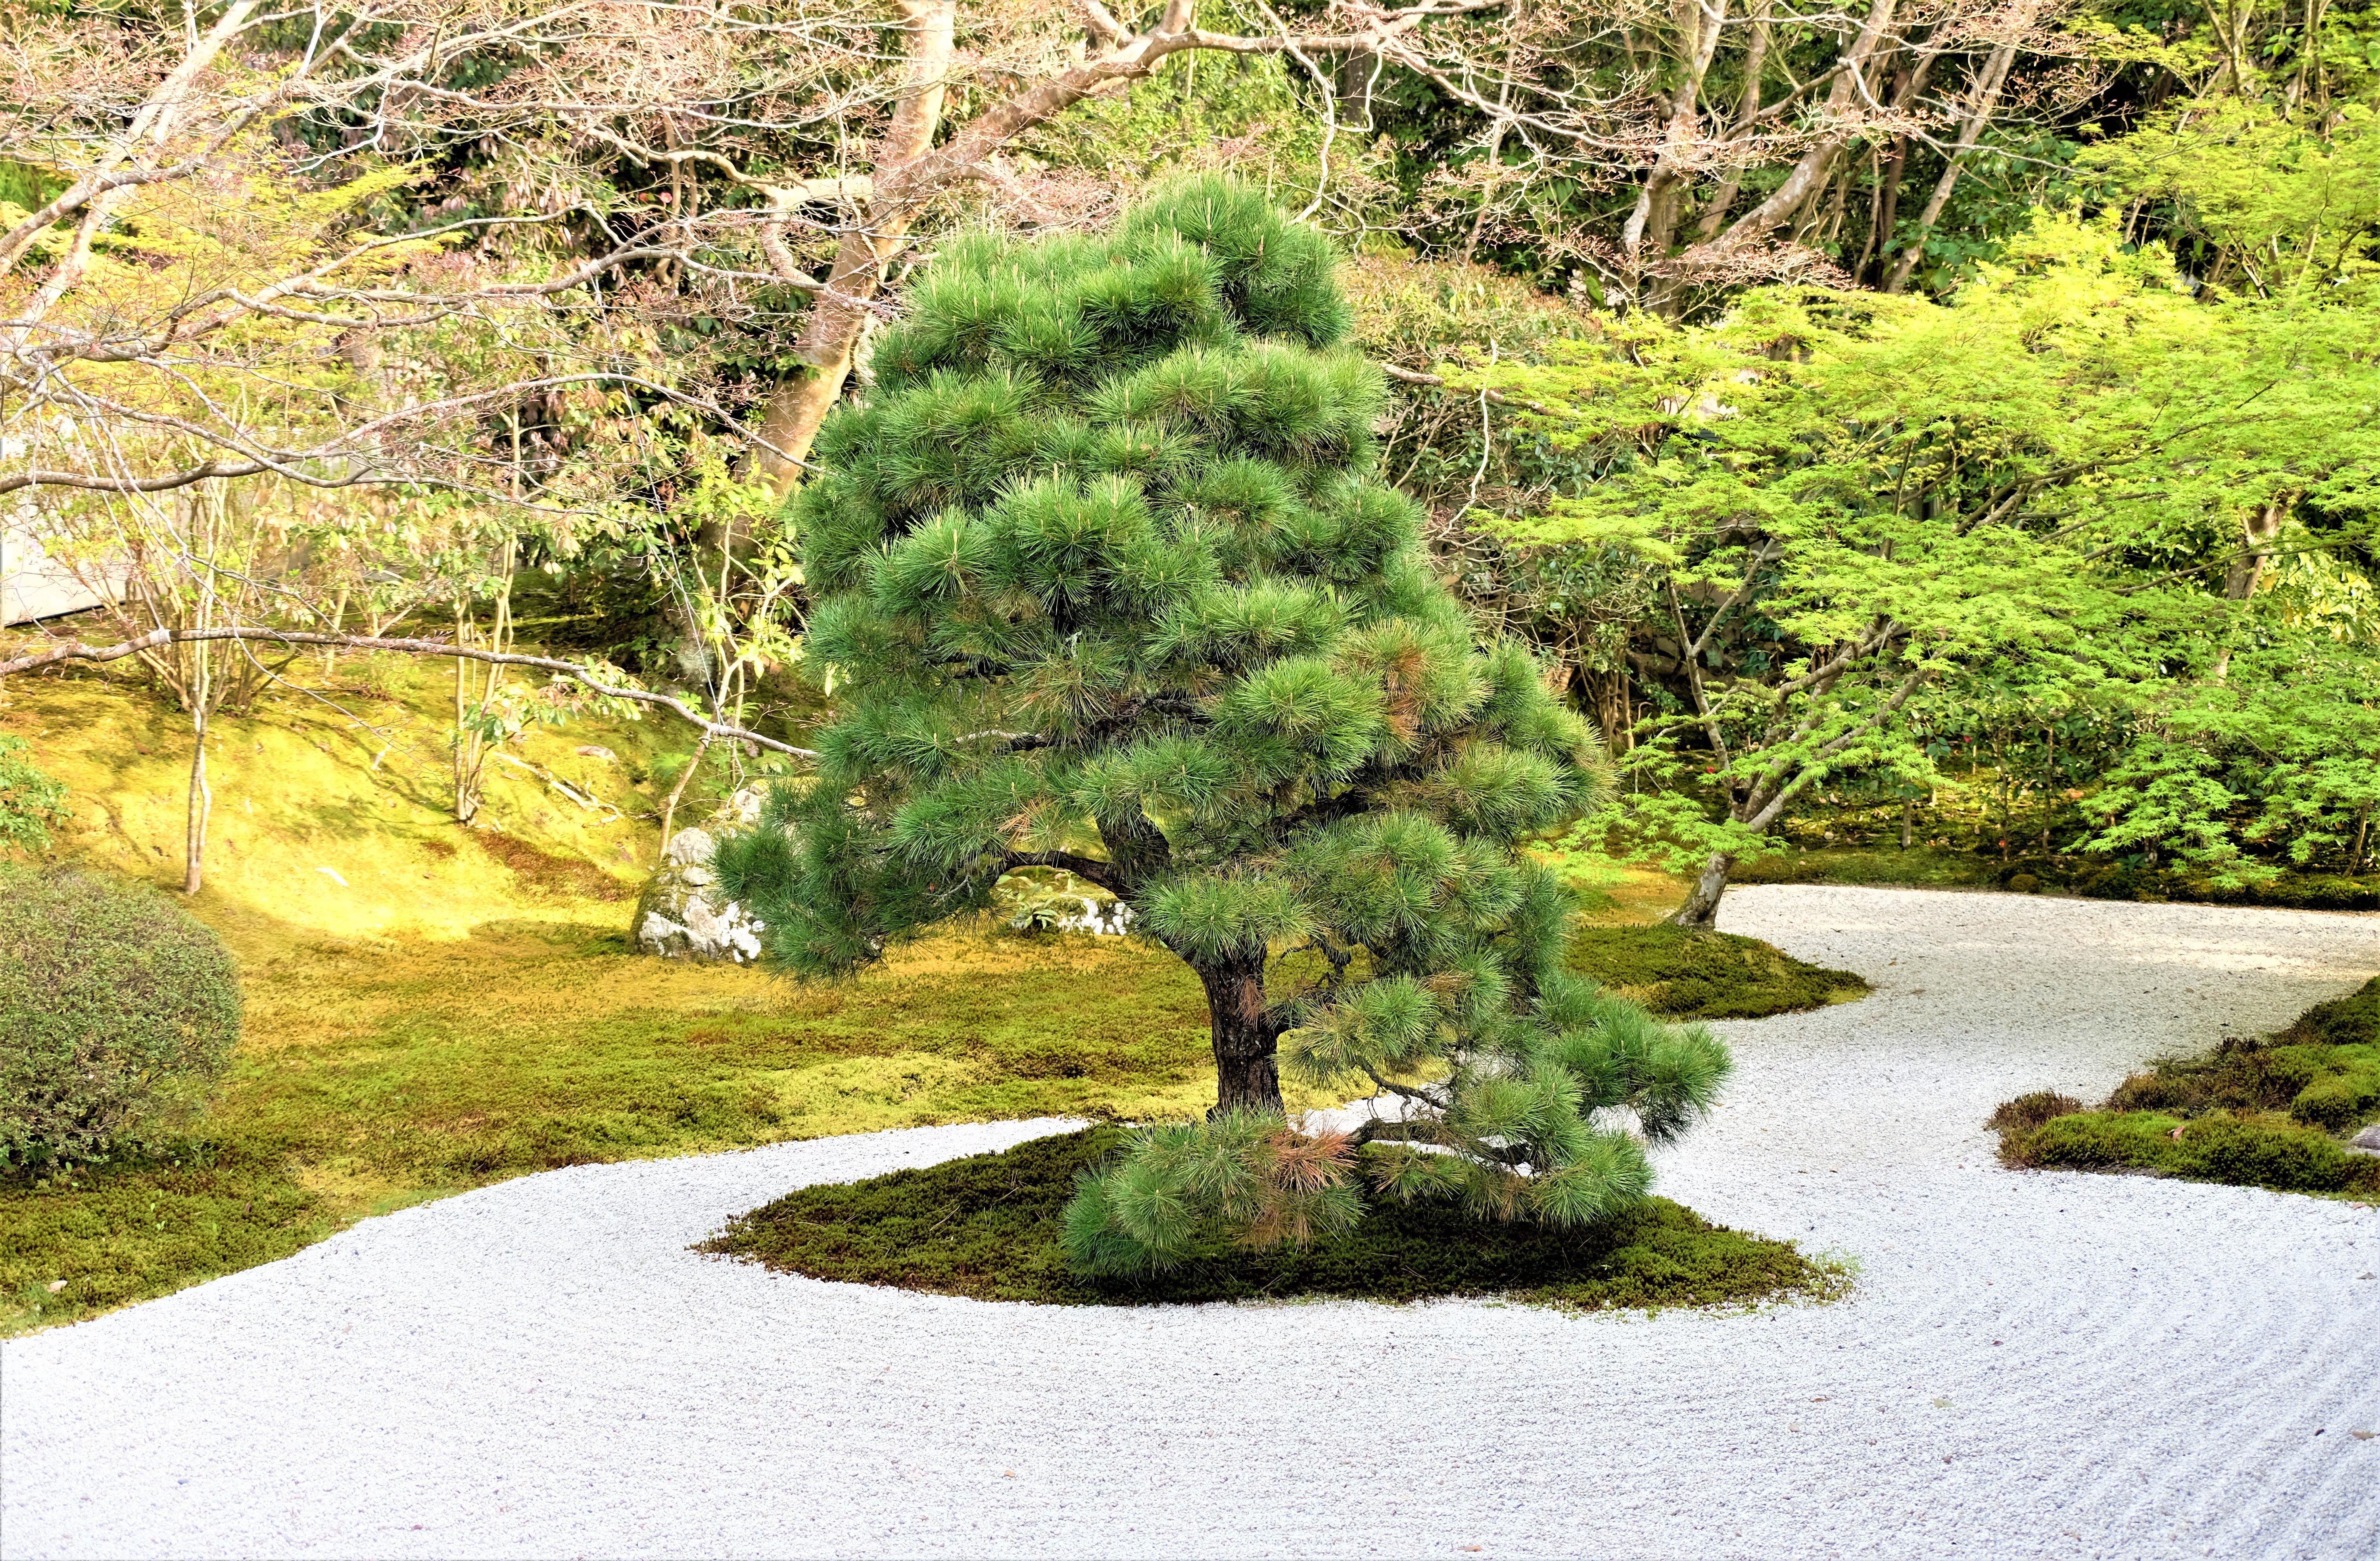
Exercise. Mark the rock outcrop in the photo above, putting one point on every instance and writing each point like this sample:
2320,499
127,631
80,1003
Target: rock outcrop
681,914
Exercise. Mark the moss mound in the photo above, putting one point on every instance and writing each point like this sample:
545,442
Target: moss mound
2264,1113
1683,973
987,1226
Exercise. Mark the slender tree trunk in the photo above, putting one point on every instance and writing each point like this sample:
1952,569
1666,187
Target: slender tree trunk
669,809
1701,908
1246,1034
202,802
1988,97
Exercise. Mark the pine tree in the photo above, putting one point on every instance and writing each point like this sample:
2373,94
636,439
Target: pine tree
1108,583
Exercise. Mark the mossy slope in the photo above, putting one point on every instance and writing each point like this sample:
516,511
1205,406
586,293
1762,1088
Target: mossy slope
987,1226
332,814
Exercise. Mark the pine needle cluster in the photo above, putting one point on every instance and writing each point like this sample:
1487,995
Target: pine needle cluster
1108,582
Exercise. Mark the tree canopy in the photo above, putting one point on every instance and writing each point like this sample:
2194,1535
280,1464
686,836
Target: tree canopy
1108,584
2072,481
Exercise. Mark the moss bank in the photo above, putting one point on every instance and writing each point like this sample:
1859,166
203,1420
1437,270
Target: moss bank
374,1075
2266,1112
987,1226
1683,973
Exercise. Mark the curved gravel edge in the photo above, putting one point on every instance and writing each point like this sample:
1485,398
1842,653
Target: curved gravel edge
2035,1363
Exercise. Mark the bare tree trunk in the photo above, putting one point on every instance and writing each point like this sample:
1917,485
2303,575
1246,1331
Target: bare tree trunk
1246,1034
202,802
1653,224
1843,100
1747,109
669,808
1987,98
830,335
1700,909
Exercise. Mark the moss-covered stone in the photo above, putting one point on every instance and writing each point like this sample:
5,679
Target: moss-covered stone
987,1225
1681,972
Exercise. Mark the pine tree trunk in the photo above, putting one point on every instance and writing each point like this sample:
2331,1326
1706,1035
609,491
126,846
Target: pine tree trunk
1246,1034
1701,908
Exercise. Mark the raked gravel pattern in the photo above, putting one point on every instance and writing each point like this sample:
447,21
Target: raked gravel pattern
2033,1364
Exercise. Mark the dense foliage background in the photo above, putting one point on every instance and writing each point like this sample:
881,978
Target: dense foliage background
1946,425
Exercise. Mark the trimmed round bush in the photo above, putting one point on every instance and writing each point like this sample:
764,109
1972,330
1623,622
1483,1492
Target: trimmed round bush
119,1011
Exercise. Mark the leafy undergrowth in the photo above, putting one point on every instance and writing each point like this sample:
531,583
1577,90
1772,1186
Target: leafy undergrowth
987,1226
1684,973
2266,1113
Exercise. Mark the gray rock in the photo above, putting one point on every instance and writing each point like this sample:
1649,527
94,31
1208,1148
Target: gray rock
680,914
2368,1141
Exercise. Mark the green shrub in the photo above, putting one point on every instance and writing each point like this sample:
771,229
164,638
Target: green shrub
31,804
2028,1111
2339,1102
119,1011
2352,1021
2159,1089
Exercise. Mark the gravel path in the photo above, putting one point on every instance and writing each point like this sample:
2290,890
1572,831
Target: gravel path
2035,1364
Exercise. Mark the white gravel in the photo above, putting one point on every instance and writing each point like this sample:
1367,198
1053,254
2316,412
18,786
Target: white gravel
2034,1364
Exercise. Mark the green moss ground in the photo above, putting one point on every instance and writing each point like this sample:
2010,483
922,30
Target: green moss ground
2270,1113
371,1077
987,1226
1699,975
446,1007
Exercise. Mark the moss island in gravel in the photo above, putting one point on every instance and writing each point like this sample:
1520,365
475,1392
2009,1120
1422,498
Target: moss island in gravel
2268,1112
987,1226
1691,973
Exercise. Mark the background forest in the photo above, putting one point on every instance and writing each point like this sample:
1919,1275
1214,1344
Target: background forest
1944,427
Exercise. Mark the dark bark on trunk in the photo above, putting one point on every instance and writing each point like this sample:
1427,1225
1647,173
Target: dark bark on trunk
1246,1034
1701,908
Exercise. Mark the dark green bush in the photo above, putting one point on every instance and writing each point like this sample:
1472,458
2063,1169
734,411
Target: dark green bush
119,1010
2339,1102
2159,1089
2028,1111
